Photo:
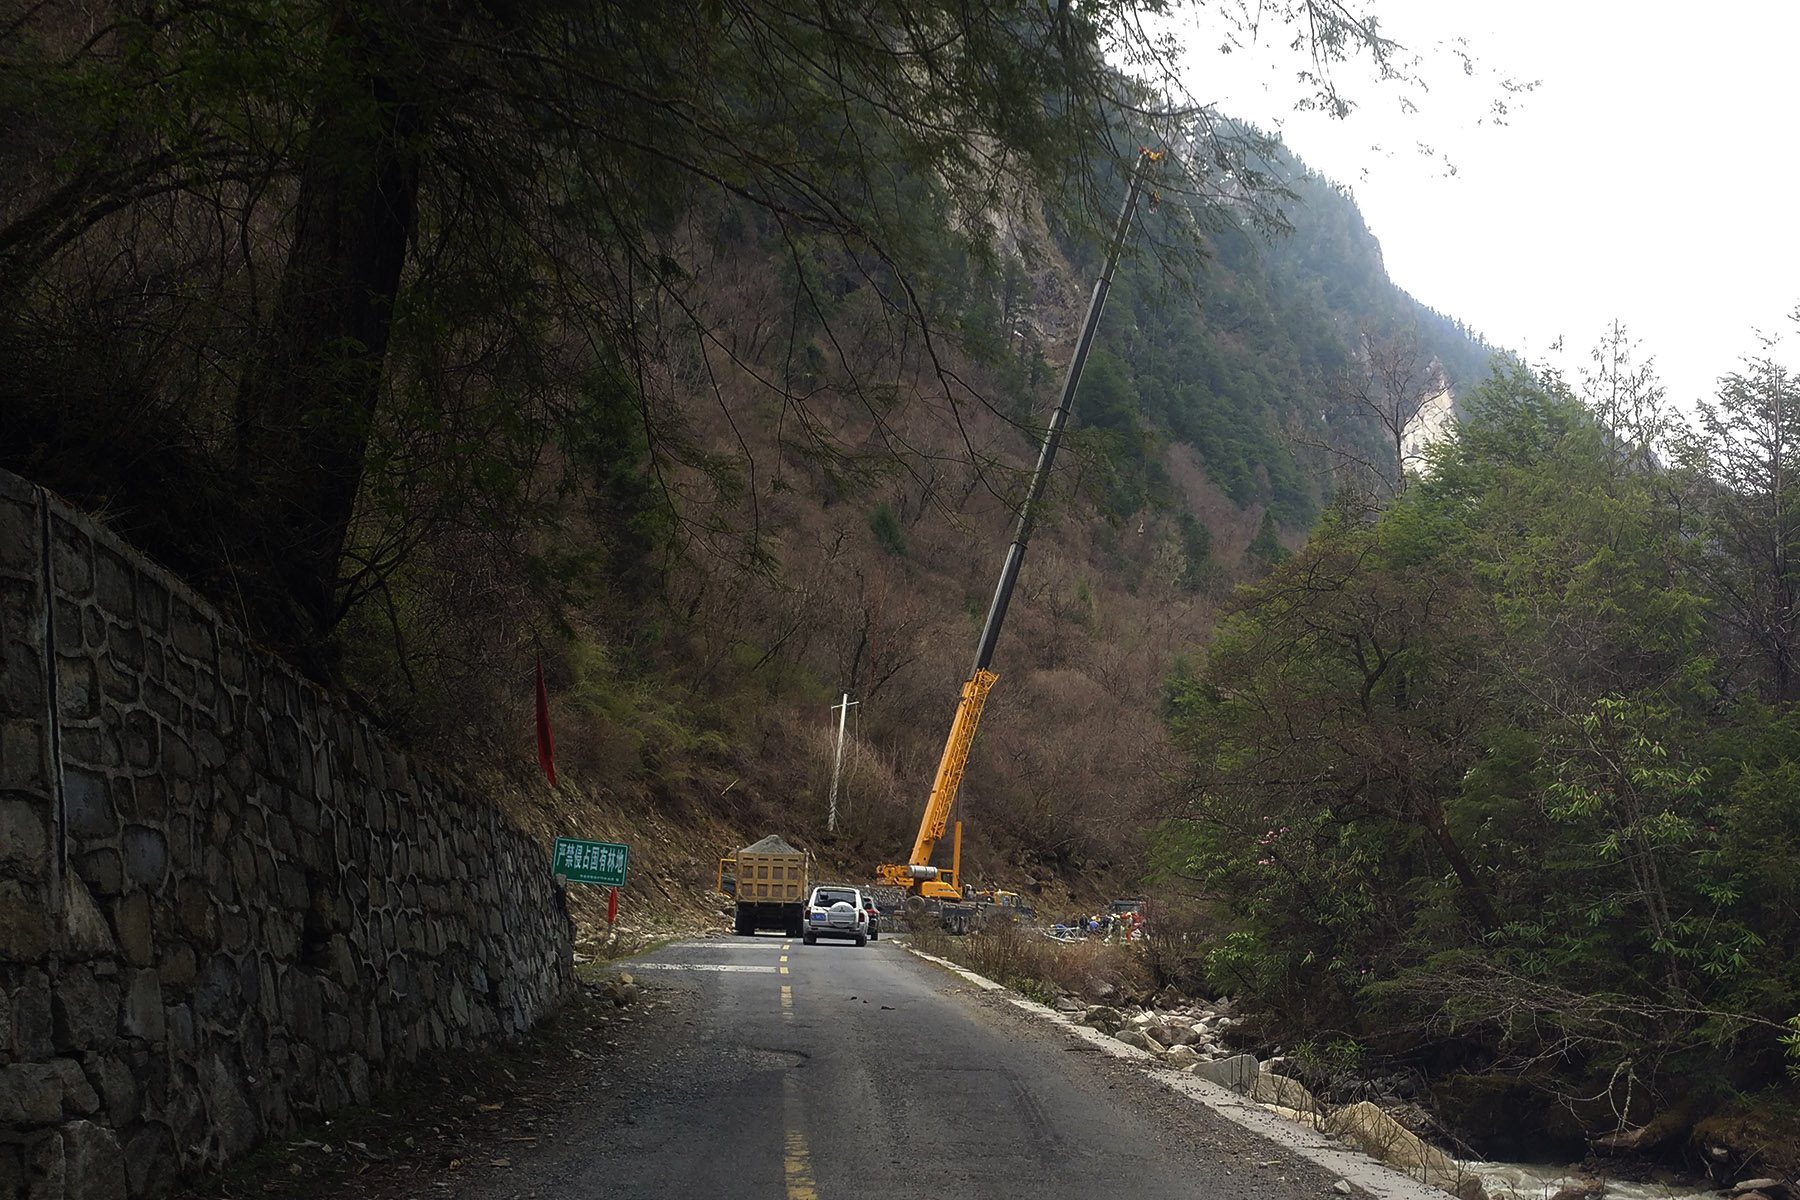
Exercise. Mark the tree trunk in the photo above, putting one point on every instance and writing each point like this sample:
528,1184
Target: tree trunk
308,400
1432,816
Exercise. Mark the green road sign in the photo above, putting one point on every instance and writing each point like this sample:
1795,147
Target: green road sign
590,862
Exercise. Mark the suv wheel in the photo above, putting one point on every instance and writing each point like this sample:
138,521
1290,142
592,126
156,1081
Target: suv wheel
862,939
810,940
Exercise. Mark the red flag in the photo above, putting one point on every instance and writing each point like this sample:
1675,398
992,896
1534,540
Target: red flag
612,905
546,747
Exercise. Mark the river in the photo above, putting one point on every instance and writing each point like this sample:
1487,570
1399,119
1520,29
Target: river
1528,1181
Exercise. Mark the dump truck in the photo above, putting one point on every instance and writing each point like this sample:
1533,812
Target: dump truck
769,882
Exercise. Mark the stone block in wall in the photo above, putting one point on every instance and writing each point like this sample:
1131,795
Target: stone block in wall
102,871
132,928
140,739
179,966
231,658
216,996
144,852
150,1162
209,752
235,1128
142,1015
125,651
22,617
66,624
27,1029
85,933
190,632
71,559
78,1096
84,1009
25,926
181,1106
31,1094
94,1164
165,702
48,1177
24,835
211,706
115,586
22,757
149,800
194,907
183,1037
77,688
152,607
300,806
118,682
15,1177
93,745
21,668
87,801
250,981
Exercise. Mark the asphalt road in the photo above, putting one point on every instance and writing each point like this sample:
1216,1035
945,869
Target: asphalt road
766,1068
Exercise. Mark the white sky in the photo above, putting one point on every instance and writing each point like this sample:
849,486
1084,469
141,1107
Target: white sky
1653,176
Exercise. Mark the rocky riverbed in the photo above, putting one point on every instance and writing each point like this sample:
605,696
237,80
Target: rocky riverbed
1197,1038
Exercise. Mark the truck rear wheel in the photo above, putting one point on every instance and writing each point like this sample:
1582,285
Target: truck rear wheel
743,926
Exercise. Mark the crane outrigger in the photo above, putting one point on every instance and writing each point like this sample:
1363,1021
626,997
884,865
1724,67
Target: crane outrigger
916,875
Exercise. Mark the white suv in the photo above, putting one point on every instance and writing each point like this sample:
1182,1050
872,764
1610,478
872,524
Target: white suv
836,911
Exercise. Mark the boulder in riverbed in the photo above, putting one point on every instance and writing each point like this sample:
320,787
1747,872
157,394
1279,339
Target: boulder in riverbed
1102,1016
1180,1058
1137,1037
1279,1090
1239,1072
1380,1136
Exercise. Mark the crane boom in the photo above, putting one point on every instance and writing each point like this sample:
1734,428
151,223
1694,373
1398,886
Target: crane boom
917,873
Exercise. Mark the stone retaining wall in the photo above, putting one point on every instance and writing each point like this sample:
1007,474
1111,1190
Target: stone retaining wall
226,906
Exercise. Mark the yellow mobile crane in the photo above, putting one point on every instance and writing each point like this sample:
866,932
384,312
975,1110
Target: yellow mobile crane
921,880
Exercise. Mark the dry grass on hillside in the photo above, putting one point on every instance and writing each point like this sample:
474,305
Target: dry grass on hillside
718,729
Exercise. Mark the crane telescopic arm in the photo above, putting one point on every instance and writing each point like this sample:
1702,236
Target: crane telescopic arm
916,872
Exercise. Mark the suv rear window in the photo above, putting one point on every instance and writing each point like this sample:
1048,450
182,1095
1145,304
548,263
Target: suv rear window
823,899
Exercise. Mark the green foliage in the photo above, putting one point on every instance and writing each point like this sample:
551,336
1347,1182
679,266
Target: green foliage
1266,547
1469,764
1197,568
1329,1060
885,525
1234,368
637,729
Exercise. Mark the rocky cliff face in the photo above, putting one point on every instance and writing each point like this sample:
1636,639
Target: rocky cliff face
1433,423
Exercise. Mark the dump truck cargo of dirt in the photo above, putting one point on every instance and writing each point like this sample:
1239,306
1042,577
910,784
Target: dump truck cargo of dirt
769,882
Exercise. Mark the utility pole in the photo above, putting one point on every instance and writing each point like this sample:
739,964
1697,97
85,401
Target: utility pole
837,766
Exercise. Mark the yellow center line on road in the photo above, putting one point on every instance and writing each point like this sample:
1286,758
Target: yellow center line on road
784,970
797,1162
784,958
